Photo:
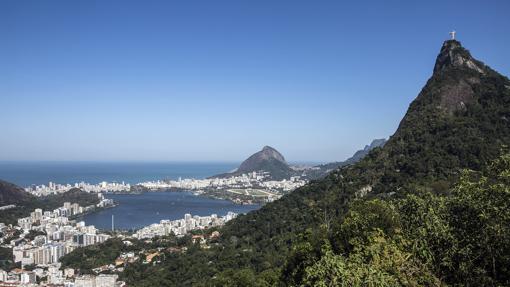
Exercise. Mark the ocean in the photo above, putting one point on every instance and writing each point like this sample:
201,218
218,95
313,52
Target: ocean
28,173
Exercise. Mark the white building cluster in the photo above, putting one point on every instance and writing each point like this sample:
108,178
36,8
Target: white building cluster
57,277
102,280
54,188
259,180
62,237
54,236
250,180
181,226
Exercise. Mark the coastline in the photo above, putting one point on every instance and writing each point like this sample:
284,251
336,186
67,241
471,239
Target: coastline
206,194
92,211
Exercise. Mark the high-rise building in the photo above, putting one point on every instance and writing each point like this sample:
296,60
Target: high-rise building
106,280
85,281
28,278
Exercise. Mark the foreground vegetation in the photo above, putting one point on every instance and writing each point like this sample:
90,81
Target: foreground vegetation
87,258
421,239
460,237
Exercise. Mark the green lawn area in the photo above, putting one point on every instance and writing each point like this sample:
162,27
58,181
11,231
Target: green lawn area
251,192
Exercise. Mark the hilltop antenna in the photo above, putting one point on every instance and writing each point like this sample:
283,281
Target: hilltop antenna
113,225
452,33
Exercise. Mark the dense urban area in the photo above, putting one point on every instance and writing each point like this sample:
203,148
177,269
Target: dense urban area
39,241
253,187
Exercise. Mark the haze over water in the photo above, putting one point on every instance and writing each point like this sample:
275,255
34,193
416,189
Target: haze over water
25,173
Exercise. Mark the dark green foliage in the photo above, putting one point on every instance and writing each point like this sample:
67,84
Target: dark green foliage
6,259
13,194
74,195
244,278
462,239
32,234
87,258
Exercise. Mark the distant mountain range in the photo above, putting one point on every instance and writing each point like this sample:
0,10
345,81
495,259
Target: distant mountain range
324,169
272,161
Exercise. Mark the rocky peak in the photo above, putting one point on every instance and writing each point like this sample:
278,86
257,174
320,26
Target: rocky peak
269,160
453,55
269,152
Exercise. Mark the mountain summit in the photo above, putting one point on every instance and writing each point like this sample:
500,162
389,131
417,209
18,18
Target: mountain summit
269,160
453,55
260,160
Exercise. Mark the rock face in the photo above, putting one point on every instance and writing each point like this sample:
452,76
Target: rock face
453,55
13,194
455,96
269,160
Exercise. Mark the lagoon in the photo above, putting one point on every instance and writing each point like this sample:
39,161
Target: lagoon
138,210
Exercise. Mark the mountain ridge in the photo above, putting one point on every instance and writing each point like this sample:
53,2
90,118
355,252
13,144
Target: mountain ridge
458,120
430,147
326,168
270,160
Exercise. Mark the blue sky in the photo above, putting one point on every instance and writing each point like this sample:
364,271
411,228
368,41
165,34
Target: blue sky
217,80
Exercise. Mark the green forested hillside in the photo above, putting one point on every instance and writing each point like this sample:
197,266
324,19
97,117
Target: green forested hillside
420,239
401,216
13,194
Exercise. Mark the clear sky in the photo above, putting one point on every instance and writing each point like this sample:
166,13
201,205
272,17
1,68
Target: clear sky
217,80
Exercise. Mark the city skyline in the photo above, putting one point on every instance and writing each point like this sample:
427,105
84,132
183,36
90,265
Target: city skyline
122,81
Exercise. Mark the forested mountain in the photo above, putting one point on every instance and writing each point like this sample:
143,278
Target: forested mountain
402,216
13,194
